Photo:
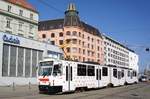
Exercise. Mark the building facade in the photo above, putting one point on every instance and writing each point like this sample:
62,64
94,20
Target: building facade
117,54
19,58
20,52
83,42
133,60
18,17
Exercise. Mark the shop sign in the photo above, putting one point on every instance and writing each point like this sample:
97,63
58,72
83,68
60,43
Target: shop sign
11,39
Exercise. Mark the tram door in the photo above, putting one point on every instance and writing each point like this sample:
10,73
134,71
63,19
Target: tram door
98,76
69,77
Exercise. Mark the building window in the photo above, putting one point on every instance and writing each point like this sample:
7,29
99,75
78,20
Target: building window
88,38
68,50
13,50
92,46
74,33
9,8
20,12
79,50
5,60
98,55
74,49
104,71
31,16
20,26
88,53
68,41
83,59
43,35
8,24
31,29
20,34
97,41
79,42
88,45
92,40
74,41
60,34
82,35
53,42
83,43
92,53
68,33
79,34
52,35
98,48
31,37
83,51
81,70
60,42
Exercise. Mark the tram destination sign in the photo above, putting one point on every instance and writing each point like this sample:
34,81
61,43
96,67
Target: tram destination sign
11,39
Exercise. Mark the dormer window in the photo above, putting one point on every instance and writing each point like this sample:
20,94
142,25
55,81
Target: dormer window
9,8
20,12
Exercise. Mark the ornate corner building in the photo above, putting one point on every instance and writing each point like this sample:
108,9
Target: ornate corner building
84,42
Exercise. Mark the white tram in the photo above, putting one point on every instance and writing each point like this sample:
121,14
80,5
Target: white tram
66,76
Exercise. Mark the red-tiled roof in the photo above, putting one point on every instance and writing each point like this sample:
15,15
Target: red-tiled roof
23,3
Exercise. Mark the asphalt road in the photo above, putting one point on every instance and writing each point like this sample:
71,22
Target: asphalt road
136,91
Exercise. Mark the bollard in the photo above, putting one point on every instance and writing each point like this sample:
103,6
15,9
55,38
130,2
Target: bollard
29,85
13,86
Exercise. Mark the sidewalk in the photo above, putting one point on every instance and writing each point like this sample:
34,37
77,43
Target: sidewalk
17,91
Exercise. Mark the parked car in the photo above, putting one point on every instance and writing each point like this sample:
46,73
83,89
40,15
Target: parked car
143,78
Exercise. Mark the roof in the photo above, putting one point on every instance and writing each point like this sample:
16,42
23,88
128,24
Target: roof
22,3
50,24
58,24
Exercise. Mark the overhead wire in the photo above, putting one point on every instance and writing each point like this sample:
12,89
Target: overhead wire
50,6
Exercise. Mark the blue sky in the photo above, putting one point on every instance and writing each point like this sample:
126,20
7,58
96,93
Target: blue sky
127,21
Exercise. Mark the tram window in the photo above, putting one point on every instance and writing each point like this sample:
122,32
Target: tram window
81,70
99,74
96,74
57,70
128,73
66,73
119,74
71,72
135,73
131,74
91,71
105,71
115,73
122,73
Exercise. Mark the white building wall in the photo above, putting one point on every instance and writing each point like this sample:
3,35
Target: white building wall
115,54
133,61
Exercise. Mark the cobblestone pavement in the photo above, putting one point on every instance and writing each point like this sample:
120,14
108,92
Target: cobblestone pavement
136,91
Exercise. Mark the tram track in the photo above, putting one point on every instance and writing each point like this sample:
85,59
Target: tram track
103,96
99,94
